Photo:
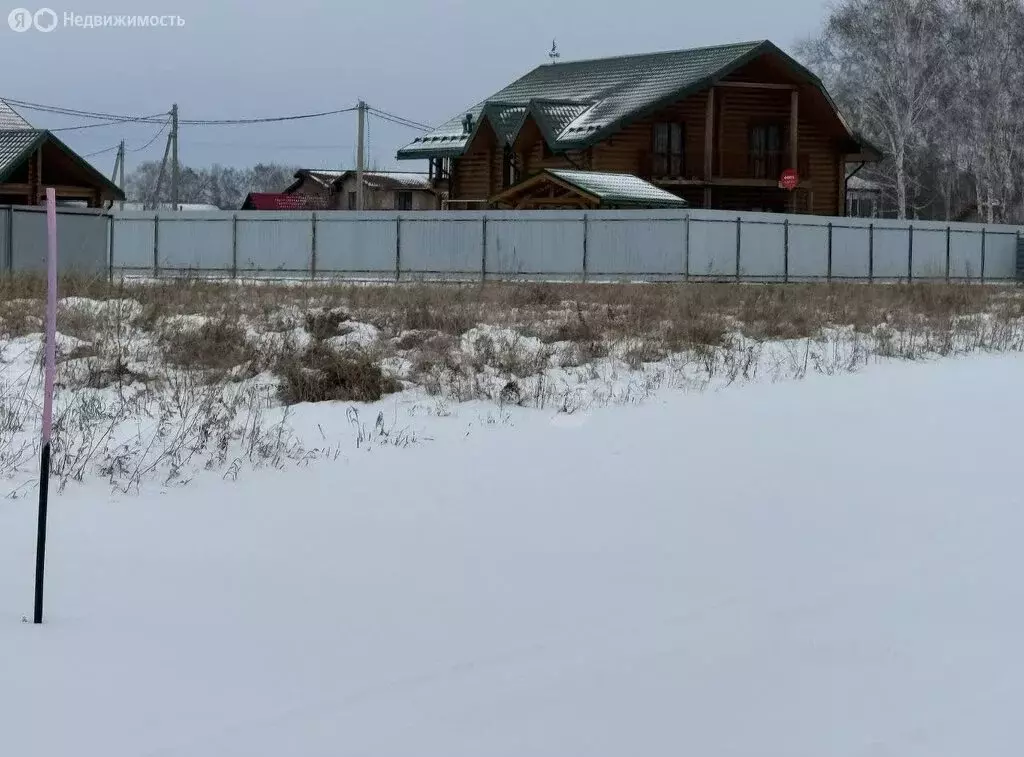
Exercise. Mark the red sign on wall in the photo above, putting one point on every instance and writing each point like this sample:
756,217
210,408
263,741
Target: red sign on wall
790,179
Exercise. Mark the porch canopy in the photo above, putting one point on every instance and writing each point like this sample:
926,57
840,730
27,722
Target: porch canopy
587,190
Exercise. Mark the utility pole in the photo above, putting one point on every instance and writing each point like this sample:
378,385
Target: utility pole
174,157
360,160
120,169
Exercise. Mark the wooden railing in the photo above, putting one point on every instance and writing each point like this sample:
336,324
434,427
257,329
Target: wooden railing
728,164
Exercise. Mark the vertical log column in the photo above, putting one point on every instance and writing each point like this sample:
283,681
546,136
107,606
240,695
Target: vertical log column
794,142
35,170
709,145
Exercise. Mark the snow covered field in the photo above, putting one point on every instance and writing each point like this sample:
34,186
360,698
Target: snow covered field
806,568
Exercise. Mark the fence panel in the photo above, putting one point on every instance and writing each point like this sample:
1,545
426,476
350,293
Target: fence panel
712,247
82,237
653,248
449,248
763,251
929,261
965,254
132,249
535,245
808,251
1000,254
191,243
851,250
356,247
274,244
892,252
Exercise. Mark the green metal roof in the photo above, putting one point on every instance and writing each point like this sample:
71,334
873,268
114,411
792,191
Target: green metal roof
10,118
579,102
15,147
618,189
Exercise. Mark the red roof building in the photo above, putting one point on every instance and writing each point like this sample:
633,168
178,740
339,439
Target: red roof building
281,201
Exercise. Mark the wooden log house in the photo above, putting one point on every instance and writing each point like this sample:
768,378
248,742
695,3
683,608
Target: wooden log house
33,159
716,126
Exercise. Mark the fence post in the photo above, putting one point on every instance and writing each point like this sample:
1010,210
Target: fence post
234,245
9,262
586,239
949,235
871,252
686,250
398,249
483,249
156,245
910,255
110,249
982,254
312,248
785,251
828,273
739,242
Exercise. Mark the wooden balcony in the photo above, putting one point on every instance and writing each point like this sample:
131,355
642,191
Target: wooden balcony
729,168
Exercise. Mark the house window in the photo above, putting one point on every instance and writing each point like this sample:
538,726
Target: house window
766,154
351,200
669,157
510,172
403,201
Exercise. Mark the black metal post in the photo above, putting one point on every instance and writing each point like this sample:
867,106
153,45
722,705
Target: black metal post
785,251
739,242
982,254
871,252
586,234
830,252
949,234
44,481
910,255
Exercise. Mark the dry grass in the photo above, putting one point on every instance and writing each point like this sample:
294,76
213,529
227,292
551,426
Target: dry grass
322,374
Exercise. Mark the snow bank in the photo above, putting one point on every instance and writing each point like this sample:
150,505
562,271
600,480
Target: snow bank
819,568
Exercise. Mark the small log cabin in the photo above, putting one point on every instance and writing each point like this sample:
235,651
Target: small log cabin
716,126
33,159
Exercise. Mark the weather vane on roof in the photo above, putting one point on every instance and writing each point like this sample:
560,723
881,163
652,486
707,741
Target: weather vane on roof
554,54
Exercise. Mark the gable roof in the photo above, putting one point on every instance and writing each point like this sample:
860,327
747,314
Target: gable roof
10,118
387,180
579,102
282,201
17,145
320,176
607,189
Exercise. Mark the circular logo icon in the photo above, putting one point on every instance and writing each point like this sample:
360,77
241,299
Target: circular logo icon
45,20
20,19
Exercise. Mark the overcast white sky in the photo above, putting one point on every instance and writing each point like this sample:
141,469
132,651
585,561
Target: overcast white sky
425,60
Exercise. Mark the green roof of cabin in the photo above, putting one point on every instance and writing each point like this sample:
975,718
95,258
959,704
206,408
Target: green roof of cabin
619,189
577,103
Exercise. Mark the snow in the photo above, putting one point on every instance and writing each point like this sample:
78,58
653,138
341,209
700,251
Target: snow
817,567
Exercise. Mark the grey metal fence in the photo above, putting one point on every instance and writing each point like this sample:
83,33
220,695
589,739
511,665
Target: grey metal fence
82,234
541,245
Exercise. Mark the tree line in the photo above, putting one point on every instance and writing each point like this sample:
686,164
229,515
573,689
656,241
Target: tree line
223,186
938,86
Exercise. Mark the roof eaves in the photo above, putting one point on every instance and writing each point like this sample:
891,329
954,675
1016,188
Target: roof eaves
17,159
88,167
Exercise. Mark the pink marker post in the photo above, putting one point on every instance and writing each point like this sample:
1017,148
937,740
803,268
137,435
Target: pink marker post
50,371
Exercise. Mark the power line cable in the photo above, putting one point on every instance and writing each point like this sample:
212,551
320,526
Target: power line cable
114,118
154,139
107,123
401,120
100,152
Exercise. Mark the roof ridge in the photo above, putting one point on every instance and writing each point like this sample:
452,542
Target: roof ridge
750,43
